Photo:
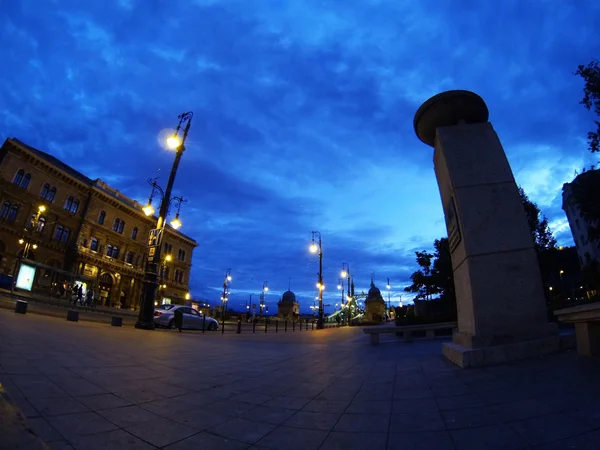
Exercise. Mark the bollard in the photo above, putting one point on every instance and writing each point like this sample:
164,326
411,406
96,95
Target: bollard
300,325
72,316
254,326
239,326
116,321
21,307
285,326
266,323
277,326
293,325
203,322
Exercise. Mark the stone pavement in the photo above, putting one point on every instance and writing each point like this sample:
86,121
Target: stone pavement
91,386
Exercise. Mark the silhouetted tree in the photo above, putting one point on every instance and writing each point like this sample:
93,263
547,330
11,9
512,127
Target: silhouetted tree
585,194
591,98
538,224
435,278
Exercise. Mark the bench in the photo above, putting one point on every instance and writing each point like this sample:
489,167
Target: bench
587,327
406,330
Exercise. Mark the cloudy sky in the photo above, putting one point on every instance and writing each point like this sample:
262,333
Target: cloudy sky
303,116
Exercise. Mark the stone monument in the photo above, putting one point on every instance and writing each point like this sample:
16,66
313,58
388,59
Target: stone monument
499,293
374,305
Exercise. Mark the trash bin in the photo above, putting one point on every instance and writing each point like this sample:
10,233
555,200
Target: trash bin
116,321
21,307
178,318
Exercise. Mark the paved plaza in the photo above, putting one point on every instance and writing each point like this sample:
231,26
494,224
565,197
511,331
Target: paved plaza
92,386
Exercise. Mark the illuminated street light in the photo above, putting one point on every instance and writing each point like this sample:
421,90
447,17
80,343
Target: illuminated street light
224,297
314,248
148,209
175,223
145,319
345,273
27,244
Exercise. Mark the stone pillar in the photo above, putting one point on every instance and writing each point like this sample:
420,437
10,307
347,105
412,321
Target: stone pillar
499,292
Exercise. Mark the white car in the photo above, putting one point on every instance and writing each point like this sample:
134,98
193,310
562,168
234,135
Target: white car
164,316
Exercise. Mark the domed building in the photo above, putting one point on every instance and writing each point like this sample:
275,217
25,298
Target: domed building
288,308
374,305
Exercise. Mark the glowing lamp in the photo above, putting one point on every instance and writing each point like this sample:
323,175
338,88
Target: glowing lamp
173,142
148,209
176,223
313,248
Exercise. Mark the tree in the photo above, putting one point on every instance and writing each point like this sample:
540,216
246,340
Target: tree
435,277
585,191
591,98
538,224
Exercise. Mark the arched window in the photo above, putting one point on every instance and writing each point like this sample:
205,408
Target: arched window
26,180
5,209
121,226
115,252
45,191
12,214
41,224
134,233
69,203
19,177
116,224
129,257
75,206
58,232
94,245
65,235
109,250
51,194
101,217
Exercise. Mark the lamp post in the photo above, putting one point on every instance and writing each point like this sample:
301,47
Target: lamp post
225,297
341,287
346,274
265,288
315,247
27,242
145,318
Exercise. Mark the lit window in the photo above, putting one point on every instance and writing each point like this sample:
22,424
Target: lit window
41,224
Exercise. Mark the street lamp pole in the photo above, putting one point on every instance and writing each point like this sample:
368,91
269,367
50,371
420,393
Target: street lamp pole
27,242
346,274
262,298
145,319
224,297
314,248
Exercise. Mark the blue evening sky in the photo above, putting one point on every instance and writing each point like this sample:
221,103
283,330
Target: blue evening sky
303,117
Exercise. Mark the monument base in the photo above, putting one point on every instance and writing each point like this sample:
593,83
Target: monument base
500,354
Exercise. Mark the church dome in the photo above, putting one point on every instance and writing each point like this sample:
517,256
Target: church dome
288,297
374,291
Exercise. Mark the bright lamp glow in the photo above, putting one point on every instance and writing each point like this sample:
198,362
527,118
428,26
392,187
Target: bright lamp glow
339,287
228,277
175,223
388,286
168,258
187,296
21,241
266,288
313,248
148,209
173,142
344,274
41,208
34,246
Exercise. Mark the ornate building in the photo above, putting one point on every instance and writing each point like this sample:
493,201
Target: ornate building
374,305
88,233
288,307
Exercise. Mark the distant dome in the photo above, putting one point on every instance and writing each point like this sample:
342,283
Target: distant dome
374,291
288,297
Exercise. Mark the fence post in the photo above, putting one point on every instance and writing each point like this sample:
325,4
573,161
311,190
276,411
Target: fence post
253,326
266,323
277,326
293,325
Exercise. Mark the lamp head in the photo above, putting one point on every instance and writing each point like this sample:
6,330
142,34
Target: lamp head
148,209
344,274
168,258
176,223
41,208
313,247
173,142
228,277
21,241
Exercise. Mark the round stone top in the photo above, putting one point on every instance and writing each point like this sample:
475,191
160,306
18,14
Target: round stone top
447,109
374,291
288,297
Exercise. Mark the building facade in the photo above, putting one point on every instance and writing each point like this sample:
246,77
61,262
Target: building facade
588,249
288,307
88,233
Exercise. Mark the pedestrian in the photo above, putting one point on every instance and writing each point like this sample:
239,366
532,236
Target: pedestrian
80,295
89,297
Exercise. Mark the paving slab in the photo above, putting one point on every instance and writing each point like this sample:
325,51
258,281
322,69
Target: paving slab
91,386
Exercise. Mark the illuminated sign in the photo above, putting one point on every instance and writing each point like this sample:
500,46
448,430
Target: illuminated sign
25,278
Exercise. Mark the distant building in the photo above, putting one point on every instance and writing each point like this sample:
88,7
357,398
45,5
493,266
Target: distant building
89,232
374,305
288,307
587,249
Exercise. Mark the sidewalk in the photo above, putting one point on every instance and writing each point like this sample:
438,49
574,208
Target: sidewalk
90,386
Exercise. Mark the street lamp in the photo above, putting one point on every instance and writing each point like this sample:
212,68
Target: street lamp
389,287
265,288
224,297
145,318
345,273
25,253
316,246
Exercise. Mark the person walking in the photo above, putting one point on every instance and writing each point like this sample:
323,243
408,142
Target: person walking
89,298
79,295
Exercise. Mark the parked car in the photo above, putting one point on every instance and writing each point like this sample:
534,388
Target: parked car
164,316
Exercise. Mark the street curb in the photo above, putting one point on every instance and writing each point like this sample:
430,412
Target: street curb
15,430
